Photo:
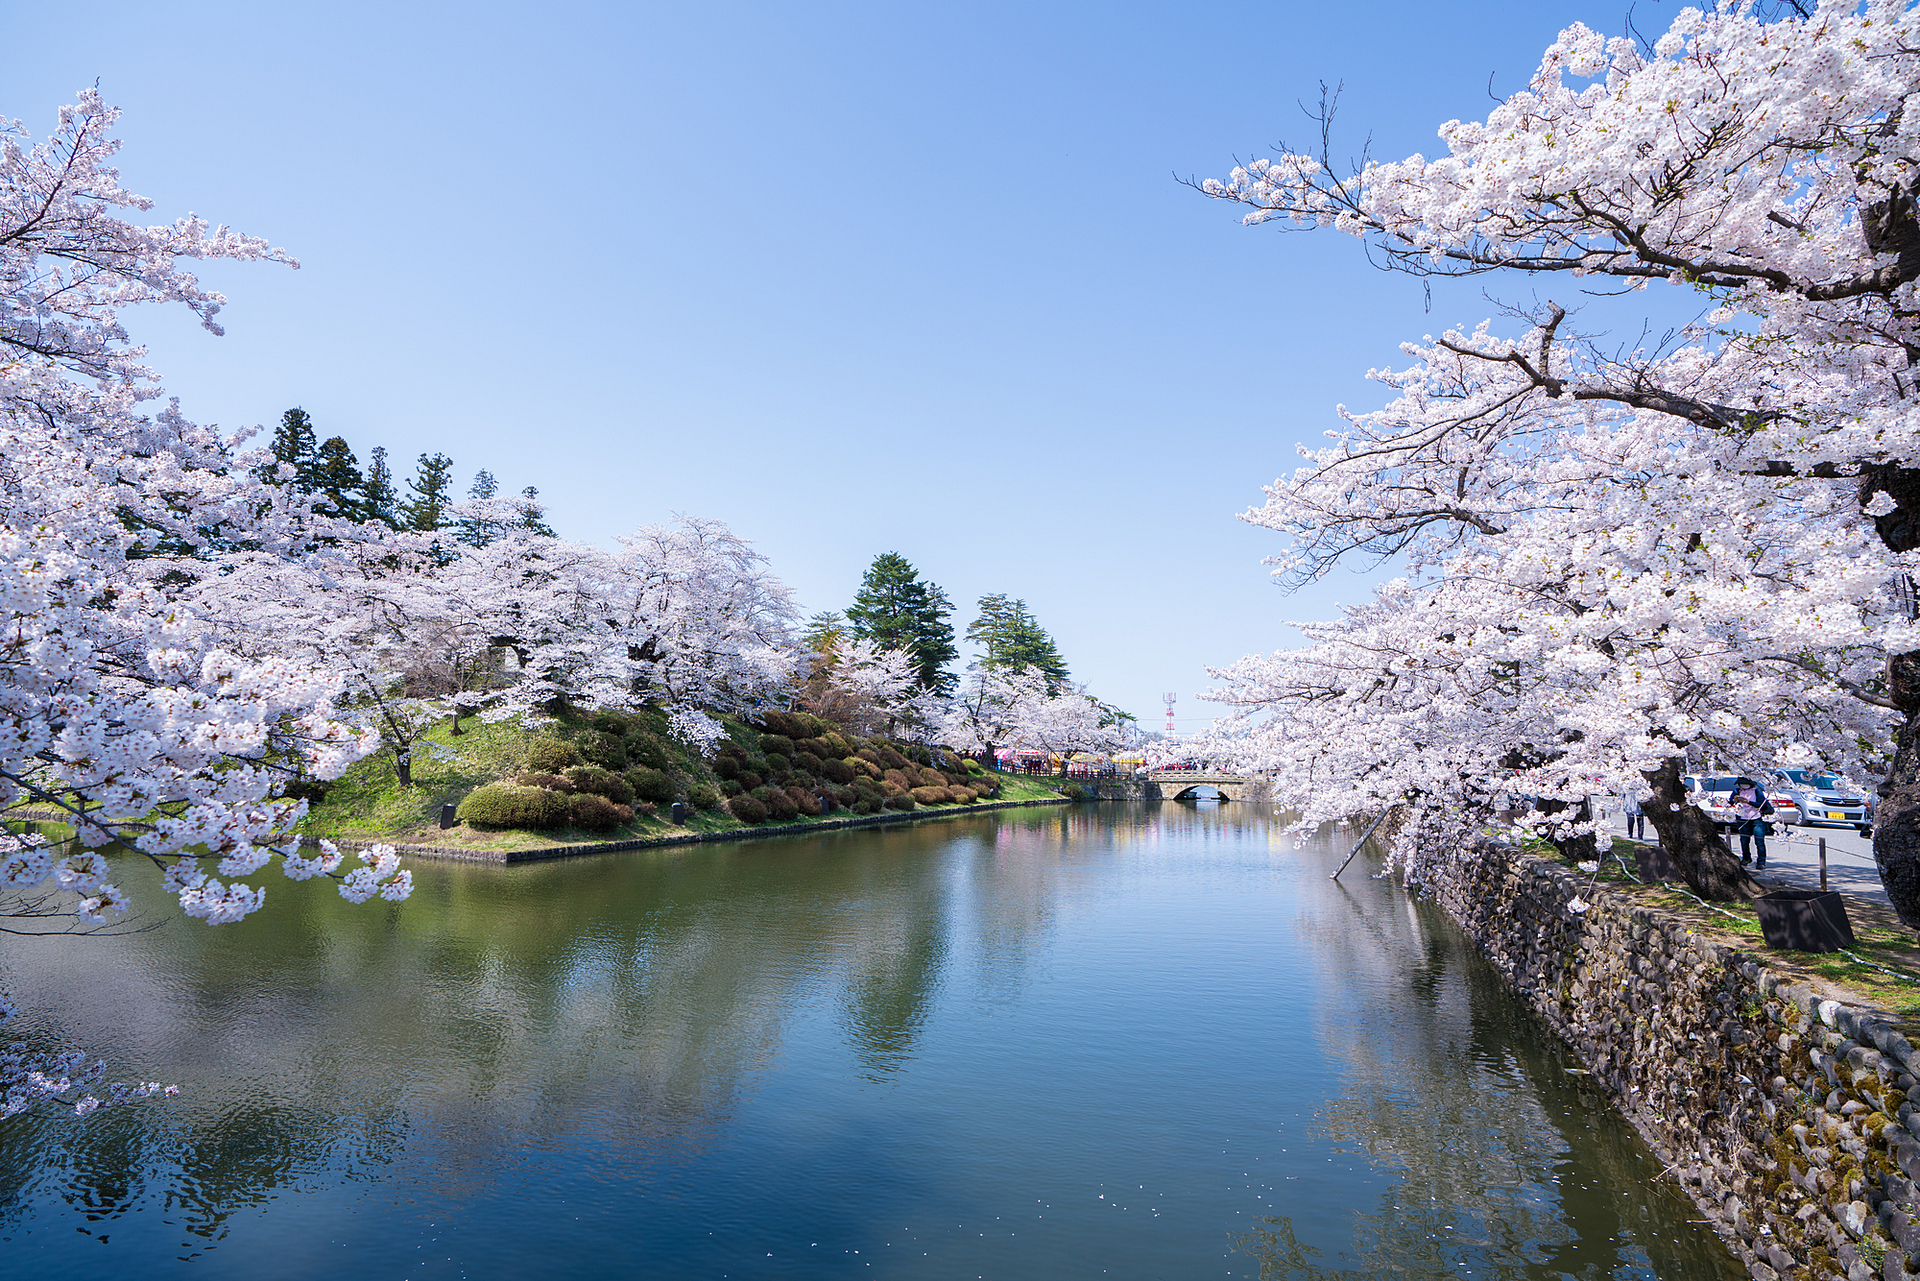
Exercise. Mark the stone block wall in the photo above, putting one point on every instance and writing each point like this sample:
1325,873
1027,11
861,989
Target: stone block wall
1784,1116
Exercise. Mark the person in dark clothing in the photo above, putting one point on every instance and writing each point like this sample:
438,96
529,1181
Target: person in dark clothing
1751,807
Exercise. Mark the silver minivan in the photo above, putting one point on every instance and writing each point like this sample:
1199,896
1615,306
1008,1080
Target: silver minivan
1825,799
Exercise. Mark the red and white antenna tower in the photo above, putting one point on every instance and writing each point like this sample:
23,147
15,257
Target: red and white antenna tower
1168,699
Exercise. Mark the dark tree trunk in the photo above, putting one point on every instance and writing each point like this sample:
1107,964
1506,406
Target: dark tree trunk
403,765
1577,848
1896,823
1690,839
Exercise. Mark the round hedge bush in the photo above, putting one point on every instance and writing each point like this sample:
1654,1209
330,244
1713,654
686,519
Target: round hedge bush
594,813
746,809
931,795
777,764
727,765
702,797
835,772
975,767
601,782
552,782
656,786
731,787
550,756
608,751
900,802
509,805
771,743
781,806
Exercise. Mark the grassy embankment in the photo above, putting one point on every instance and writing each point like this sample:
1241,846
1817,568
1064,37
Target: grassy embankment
368,803
1860,979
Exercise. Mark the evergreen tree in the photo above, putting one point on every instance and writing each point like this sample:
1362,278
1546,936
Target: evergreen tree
293,444
475,531
825,633
533,513
337,480
1013,640
380,502
431,483
895,609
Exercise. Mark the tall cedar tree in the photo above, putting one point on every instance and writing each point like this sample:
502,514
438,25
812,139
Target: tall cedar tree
432,485
896,610
337,480
381,503
294,445
1014,641
472,530
533,513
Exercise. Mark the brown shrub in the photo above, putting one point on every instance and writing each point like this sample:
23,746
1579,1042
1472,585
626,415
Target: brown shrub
803,800
836,771
901,802
601,782
591,812
552,782
897,778
931,795
746,809
781,806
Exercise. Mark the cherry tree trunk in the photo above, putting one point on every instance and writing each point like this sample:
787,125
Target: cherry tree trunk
1896,824
1690,839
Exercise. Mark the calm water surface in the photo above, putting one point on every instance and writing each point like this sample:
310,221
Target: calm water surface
1108,1041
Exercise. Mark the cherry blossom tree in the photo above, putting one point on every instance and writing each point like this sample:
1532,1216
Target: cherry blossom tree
1714,533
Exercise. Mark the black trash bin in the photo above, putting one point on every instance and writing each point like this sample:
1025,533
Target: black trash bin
679,814
1804,920
448,817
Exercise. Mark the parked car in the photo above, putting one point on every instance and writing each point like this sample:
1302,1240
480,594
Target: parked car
1714,794
1825,799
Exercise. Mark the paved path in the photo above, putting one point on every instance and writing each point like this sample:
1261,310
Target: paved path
1793,858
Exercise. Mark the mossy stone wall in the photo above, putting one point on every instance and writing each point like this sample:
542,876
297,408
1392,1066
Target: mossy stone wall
1786,1117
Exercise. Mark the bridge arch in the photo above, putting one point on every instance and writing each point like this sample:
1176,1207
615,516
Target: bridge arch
1174,785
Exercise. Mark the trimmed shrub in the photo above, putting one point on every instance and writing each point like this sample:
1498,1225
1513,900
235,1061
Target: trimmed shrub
931,795
646,808
806,762
727,765
965,795
840,744
781,806
591,812
608,722
771,743
803,800
608,751
746,809
750,781
864,806
900,802
778,723
974,767
845,796
897,778
919,755
552,782
728,787
892,789
508,805
836,772
892,759
653,785
702,797
777,763
646,749
587,778
550,756
869,755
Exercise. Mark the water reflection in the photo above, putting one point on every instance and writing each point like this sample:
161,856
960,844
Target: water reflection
941,1047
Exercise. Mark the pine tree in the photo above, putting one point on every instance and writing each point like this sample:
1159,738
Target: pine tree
895,609
293,445
533,513
342,490
475,531
431,483
1013,640
380,502
825,633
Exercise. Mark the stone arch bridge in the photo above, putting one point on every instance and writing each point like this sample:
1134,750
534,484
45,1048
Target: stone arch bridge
1172,785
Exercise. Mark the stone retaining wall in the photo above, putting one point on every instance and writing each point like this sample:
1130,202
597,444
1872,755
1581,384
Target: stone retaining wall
1786,1117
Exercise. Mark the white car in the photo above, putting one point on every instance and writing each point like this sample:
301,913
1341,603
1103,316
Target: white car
1824,798
1714,794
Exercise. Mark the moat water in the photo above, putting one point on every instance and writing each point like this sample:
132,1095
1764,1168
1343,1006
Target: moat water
1107,1040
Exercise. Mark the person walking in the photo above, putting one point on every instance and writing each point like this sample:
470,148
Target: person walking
1636,818
1751,807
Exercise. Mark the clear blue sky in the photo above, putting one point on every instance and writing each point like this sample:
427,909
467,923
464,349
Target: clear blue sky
853,277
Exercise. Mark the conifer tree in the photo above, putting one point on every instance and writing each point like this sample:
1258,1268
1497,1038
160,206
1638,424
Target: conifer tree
896,609
380,501
533,513
1014,641
337,480
431,484
477,531
293,445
